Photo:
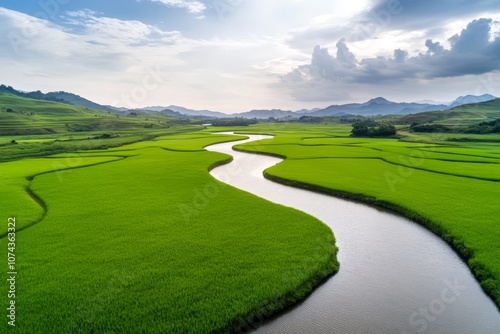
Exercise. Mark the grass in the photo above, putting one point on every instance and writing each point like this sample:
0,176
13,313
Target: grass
452,188
140,238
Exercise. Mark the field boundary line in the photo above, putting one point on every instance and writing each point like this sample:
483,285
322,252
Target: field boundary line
40,201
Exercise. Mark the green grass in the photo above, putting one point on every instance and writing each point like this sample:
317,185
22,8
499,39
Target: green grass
453,189
140,238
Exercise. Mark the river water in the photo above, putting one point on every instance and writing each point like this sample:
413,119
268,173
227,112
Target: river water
395,277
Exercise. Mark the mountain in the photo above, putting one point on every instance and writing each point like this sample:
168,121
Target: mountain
169,112
188,112
431,102
265,114
467,114
468,99
306,111
77,100
377,106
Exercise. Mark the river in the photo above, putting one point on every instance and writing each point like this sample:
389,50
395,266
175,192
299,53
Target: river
395,276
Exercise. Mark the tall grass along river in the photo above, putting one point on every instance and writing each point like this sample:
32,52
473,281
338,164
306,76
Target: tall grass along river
395,277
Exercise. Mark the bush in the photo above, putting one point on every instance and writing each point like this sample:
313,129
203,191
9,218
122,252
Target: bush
370,128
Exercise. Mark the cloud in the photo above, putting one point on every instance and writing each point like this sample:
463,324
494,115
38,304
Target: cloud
422,14
380,17
192,6
106,30
86,52
472,52
108,60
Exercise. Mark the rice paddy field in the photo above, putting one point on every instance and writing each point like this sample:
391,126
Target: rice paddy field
451,188
141,239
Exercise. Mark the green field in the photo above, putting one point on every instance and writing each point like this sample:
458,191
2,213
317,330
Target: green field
140,238
121,229
452,188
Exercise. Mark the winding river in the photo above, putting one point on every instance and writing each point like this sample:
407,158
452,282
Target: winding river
395,277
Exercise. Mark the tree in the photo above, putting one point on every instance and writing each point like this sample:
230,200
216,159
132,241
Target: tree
370,128
359,129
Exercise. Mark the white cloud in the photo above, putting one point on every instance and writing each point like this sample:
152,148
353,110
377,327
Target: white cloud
192,6
108,60
472,52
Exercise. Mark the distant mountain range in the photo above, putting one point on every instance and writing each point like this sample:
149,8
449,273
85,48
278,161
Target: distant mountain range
187,112
373,107
381,106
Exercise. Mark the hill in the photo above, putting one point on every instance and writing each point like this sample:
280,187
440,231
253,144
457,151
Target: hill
77,101
462,115
25,116
61,96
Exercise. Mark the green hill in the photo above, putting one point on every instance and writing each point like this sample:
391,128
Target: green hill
28,116
467,114
31,127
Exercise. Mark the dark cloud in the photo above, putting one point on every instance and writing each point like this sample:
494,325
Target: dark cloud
434,47
475,37
471,52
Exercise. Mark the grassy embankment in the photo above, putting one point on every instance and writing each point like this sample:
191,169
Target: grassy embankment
453,189
140,238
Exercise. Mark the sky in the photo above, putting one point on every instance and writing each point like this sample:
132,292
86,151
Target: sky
237,55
